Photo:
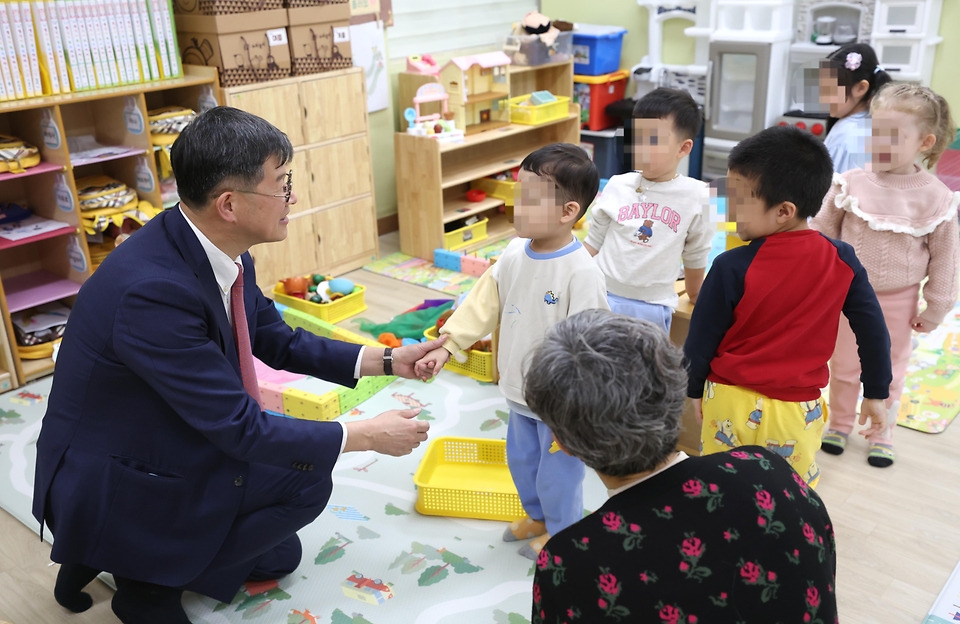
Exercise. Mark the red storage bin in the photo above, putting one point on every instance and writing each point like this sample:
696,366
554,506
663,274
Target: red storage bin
594,94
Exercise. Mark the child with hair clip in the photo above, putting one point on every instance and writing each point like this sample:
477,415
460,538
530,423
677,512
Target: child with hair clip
902,222
849,78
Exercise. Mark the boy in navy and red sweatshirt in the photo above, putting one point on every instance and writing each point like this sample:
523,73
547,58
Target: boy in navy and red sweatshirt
766,321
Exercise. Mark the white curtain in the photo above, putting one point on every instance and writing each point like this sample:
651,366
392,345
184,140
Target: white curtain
427,27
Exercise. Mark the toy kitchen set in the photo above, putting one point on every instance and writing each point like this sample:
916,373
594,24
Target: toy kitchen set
755,61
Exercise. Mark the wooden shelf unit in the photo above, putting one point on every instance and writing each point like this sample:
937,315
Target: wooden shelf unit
52,266
333,225
432,179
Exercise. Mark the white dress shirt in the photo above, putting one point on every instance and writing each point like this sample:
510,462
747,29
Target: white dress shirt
225,271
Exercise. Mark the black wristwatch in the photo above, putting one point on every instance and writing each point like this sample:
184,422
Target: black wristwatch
388,362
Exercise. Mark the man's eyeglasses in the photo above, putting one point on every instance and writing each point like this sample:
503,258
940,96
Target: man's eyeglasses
287,189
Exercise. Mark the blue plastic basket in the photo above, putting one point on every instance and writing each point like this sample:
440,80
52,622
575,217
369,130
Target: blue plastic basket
596,49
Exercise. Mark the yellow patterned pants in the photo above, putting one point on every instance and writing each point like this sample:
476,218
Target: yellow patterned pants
734,416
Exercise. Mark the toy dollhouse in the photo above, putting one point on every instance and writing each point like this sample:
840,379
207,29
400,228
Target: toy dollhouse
478,90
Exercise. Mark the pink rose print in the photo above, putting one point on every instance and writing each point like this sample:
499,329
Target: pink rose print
714,488
799,481
612,521
602,603
692,547
723,595
543,559
809,533
771,576
764,500
761,521
668,509
806,617
739,455
692,619
796,553
536,593
758,455
727,536
634,528
750,572
644,577
557,560
609,585
570,613
684,566
585,540
813,597
693,488
670,614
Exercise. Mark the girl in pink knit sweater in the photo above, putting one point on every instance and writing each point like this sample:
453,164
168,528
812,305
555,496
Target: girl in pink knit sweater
902,222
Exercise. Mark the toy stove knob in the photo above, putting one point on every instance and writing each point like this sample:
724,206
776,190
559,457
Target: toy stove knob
801,125
817,129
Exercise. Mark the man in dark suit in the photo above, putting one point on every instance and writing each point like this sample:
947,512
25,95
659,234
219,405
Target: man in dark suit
156,462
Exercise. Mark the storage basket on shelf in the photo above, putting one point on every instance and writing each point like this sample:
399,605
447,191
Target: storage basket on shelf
499,189
596,49
479,364
333,312
467,478
524,112
594,94
466,235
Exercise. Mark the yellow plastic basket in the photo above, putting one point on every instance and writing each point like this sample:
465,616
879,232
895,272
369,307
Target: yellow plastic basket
533,115
479,364
467,478
332,312
468,235
499,189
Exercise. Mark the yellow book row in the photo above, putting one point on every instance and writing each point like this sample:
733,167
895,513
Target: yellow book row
48,47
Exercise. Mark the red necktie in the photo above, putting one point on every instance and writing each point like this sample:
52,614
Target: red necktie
241,335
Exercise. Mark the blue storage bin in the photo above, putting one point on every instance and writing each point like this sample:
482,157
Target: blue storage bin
446,259
605,151
596,49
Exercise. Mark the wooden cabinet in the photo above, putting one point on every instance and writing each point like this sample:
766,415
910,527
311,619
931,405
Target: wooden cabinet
345,232
277,103
433,178
333,225
51,266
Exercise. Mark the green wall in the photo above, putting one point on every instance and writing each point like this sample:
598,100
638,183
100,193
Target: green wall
677,49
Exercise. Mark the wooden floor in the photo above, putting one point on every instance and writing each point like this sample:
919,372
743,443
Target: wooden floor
898,529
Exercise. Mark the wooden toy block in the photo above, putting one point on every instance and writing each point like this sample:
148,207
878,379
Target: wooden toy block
271,395
474,265
307,406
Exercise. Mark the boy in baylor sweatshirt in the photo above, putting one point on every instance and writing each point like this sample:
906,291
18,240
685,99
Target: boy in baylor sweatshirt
645,221
541,279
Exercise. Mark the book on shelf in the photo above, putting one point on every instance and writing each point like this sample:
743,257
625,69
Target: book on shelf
49,47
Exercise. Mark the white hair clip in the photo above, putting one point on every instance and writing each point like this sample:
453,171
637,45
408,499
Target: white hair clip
879,69
853,61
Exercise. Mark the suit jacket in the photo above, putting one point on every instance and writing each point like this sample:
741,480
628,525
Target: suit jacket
149,433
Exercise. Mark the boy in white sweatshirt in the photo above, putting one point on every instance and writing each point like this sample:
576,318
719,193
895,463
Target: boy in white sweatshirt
647,220
541,279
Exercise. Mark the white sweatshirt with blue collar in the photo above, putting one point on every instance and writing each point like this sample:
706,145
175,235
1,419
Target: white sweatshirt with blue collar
525,293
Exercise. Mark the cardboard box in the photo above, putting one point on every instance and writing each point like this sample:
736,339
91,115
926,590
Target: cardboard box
320,38
296,4
223,7
245,47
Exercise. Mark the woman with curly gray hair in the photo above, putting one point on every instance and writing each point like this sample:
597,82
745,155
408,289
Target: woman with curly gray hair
734,536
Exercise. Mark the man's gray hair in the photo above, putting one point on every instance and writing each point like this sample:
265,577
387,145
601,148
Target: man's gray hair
611,388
